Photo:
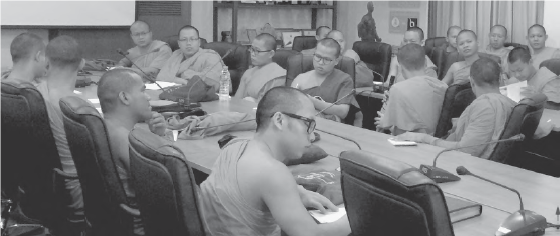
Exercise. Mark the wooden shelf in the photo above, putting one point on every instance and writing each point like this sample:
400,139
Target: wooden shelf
257,5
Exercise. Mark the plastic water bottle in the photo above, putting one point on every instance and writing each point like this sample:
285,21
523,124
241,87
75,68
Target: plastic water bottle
225,82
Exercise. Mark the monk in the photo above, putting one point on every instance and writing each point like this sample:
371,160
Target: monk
415,103
458,73
325,84
264,70
482,121
28,57
538,80
64,59
250,190
412,35
364,75
148,55
124,103
536,35
192,60
451,39
320,33
498,35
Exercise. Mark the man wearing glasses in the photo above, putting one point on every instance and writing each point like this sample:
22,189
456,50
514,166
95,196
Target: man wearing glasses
148,55
251,191
264,70
191,60
325,84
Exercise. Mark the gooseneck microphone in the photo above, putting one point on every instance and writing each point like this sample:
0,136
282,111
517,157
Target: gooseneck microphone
521,222
441,176
204,76
149,77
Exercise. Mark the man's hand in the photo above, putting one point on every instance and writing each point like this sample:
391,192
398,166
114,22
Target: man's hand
411,136
378,119
157,124
315,200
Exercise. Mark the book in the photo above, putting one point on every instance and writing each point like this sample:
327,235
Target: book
460,209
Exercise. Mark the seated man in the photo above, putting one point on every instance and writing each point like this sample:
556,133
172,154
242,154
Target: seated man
539,81
498,35
459,71
364,76
320,33
412,35
415,103
64,59
451,45
537,44
250,191
264,70
191,60
28,57
148,55
325,84
124,103
483,120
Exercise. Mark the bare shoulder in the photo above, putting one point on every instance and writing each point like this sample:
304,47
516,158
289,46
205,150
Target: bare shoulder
118,139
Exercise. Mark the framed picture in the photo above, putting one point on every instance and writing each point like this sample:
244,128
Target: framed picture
308,32
288,38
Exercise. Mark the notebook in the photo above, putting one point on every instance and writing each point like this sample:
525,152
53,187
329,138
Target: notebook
460,209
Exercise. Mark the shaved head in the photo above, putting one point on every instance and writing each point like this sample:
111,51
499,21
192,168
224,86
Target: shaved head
64,51
536,26
330,43
418,30
485,72
339,37
466,31
140,23
322,30
503,28
186,27
452,28
268,40
278,99
519,53
412,57
112,83
26,46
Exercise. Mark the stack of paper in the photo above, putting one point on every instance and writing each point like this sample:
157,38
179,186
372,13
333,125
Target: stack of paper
329,217
513,91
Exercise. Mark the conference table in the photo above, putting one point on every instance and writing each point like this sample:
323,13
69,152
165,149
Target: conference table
540,193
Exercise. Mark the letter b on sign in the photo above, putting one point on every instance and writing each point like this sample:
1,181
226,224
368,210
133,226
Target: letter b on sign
412,22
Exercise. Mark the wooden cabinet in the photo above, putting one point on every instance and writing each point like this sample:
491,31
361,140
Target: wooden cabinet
235,5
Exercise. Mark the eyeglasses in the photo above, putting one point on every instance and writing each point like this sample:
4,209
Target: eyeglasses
325,60
308,121
255,51
191,40
140,34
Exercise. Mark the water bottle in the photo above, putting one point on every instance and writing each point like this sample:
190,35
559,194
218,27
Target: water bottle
225,82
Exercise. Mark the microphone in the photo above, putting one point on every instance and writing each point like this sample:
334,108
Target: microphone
149,77
521,222
442,176
382,80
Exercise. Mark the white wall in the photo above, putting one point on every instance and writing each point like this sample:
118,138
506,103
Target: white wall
8,35
550,22
202,18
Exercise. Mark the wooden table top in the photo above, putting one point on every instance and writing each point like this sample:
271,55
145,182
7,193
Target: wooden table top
541,193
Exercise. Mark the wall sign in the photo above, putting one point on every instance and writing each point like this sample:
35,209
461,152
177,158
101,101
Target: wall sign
399,21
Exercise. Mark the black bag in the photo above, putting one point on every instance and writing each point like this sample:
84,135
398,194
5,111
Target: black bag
195,91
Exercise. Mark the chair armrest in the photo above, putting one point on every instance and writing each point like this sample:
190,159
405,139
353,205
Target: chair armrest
64,174
129,210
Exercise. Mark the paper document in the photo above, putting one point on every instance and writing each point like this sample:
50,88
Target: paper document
330,216
401,143
94,100
163,84
513,91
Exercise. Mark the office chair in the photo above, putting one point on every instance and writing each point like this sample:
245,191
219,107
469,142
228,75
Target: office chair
383,196
281,57
304,42
453,57
105,203
165,186
554,66
30,160
237,61
433,43
524,119
174,44
457,98
376,55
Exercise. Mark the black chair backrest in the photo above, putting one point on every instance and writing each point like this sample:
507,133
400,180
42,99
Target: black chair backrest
304,42
237,61
281,57
299,63
383,196
165,186
102,189
516,45
432,43
552,64
376,55
457,98
524,119
174,44
29,152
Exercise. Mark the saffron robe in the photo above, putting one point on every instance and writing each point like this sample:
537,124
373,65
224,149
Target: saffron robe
205,61
547,83
547,53
255,78
157,55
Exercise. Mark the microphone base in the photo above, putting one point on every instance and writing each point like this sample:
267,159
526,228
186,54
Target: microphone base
521,223
438,175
